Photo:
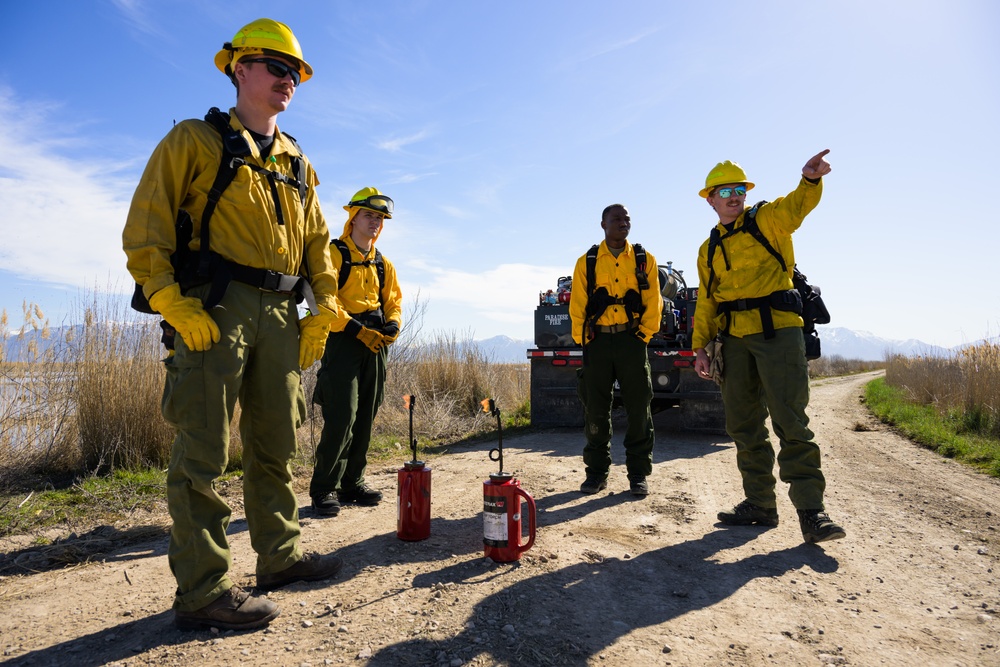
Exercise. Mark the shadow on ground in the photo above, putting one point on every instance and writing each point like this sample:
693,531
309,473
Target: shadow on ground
550,619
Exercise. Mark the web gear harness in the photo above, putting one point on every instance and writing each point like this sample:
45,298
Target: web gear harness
804,300
599,300
372,318
191,269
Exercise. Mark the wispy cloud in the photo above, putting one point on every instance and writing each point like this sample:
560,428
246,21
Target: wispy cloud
457,212
397,144
138,15
65,214
411,178
605,49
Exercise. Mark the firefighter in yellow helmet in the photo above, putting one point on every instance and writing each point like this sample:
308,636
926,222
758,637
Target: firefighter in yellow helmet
230,295
351,379
746,297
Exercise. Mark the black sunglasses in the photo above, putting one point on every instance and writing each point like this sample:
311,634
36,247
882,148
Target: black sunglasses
278,69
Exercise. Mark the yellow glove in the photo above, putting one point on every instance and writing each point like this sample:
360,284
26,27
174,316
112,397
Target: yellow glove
313,331
373,339
187,316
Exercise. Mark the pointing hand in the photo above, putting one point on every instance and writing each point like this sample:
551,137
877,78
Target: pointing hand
817,167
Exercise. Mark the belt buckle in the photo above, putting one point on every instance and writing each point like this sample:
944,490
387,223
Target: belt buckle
272,280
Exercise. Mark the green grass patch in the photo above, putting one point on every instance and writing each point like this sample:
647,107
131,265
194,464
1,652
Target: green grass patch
952,434
92,500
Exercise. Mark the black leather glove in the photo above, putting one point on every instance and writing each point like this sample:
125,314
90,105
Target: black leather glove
390,330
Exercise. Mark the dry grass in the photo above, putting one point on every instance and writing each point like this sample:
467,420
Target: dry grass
835,365
965,386
449,376
90,402
37,424
118,382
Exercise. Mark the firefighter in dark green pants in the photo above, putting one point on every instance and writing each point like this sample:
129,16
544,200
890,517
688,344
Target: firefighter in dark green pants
267,239
351,380
745,295
614,314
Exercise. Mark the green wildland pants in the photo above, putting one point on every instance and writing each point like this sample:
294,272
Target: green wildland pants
349,388
622,357
771,376
256,361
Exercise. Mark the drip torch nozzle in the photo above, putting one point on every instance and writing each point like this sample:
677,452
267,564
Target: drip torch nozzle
409,401
490,408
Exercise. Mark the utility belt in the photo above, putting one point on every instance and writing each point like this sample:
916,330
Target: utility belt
615,328
786,300
372,319
223,271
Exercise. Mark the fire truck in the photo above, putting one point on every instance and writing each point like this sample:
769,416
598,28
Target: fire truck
555,360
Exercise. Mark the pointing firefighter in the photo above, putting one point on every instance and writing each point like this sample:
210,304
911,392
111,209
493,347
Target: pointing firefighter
615,308
746,296
350,382
256,247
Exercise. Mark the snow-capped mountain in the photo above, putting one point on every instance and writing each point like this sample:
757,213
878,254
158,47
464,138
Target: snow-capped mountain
846,343
867,346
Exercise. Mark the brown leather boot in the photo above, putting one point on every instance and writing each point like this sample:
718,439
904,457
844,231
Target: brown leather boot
312,567
235,609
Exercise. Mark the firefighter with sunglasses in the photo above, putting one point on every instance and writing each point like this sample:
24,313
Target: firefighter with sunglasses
351,379
238,331
743,296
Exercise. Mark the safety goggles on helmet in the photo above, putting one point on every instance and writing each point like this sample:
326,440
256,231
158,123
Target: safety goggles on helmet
726,193
278,68
379,203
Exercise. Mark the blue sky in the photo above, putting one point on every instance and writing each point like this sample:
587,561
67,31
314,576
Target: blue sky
501,130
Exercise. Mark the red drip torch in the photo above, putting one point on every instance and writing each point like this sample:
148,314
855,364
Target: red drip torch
413,492
502,497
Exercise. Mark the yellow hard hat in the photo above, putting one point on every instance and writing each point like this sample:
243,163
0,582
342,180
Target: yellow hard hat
264,36
722,173
371,199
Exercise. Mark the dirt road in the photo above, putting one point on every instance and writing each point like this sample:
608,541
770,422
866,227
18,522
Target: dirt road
610,581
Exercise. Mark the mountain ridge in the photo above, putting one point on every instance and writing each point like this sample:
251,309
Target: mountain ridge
836,341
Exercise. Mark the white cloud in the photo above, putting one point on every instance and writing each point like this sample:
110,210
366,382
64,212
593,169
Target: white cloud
605,49
65,215
411,178
495,300
397,144
457,212
137,14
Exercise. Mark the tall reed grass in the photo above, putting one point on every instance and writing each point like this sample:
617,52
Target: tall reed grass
964,386
37,426
837,365
89,402
448,375
85,402
118,381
